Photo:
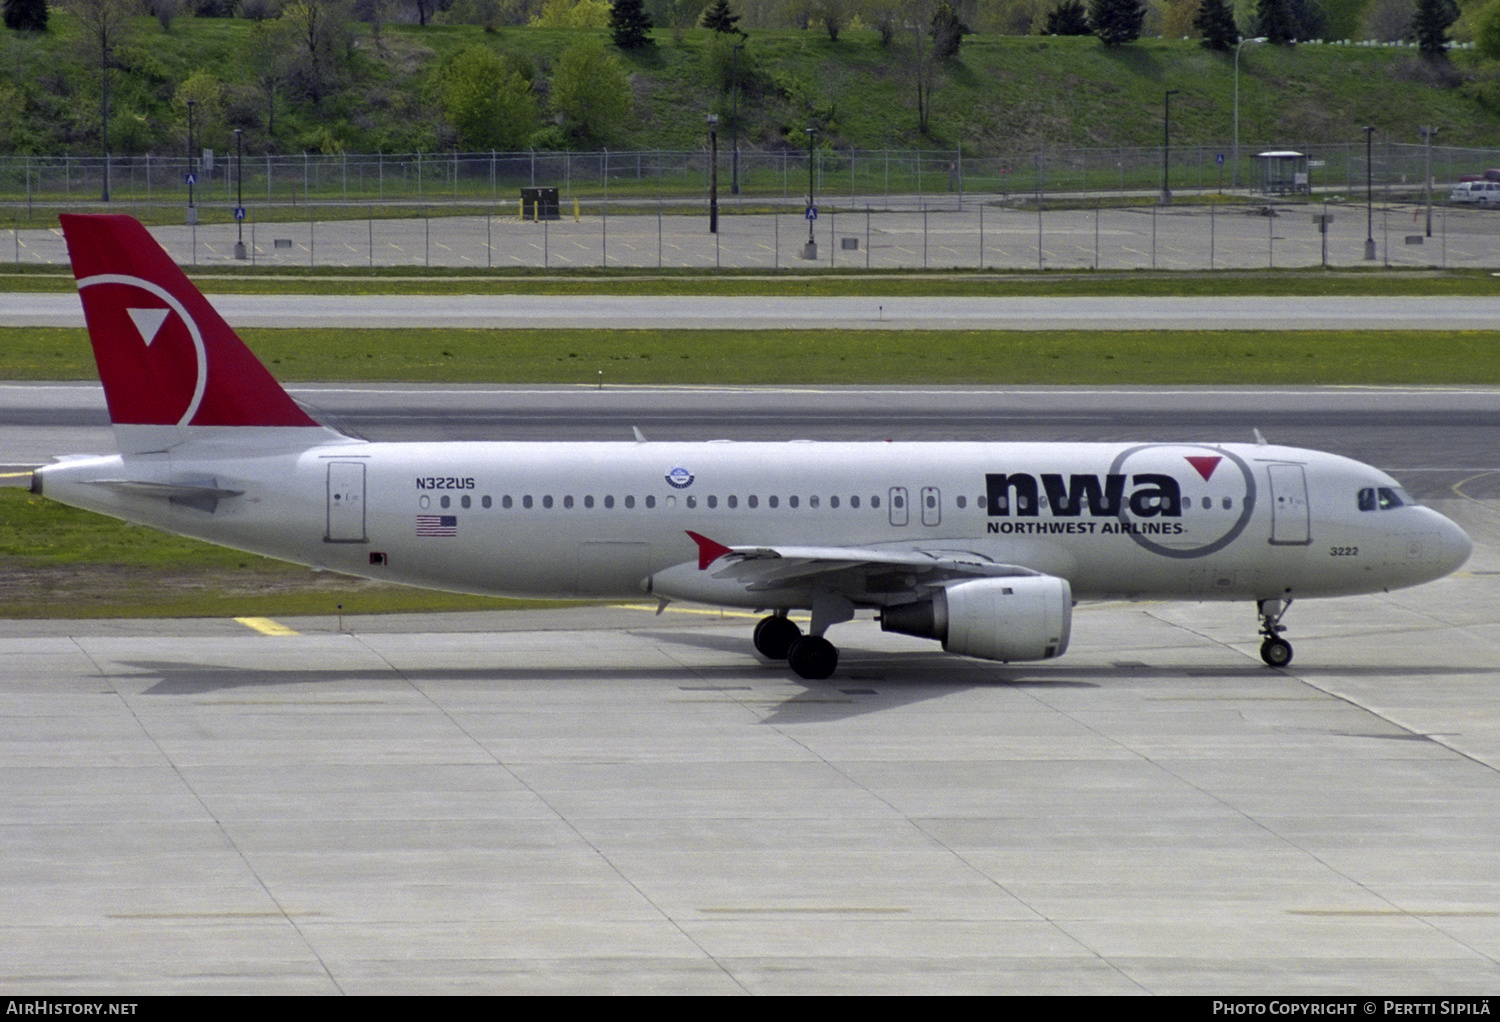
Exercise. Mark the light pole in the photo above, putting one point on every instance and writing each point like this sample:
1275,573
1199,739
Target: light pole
810,250
239,192
1166,146
1369,194
734,166
1237,49
713,173
192,214
1428,131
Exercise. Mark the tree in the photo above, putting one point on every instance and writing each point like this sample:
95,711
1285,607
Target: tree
106,23
164,11
1069,18
1215,20
26,15
720,17
921,65
486,99
1388,21
1430,26
1117,22
1275,20
205,93
947,31
271,55
321,28
1487,30
629,25
590,90
834,15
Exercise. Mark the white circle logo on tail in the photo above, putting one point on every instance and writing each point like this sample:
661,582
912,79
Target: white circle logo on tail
1216,502
148,320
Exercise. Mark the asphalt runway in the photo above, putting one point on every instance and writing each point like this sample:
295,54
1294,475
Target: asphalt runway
602,800
1445,313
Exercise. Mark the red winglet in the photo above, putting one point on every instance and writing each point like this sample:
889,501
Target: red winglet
709,551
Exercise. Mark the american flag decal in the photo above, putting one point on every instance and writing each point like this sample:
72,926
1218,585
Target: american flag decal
437,525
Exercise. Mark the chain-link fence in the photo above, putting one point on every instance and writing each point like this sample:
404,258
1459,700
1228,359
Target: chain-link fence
1181,208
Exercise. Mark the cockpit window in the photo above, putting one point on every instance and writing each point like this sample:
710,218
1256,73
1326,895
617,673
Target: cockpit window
1383,498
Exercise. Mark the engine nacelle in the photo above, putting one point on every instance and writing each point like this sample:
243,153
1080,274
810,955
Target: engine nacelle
1023,618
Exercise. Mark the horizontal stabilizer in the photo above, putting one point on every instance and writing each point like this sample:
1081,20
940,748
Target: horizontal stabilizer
203,497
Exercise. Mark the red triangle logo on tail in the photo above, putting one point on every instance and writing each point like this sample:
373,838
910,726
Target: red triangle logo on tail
1204,464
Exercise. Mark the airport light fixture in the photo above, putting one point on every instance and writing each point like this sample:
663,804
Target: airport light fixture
810,250
734,127
1369,193
1428,131
1166,146
239,192
713,173
1237,49
192,216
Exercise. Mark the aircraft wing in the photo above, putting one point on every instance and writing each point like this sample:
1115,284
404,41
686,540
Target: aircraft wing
858,572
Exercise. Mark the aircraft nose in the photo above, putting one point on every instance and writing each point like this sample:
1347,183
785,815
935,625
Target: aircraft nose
1455,545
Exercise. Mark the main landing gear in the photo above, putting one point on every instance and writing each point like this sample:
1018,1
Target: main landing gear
1274,650
809,656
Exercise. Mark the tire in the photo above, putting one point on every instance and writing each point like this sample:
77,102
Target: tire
813,657
1276,652
774,636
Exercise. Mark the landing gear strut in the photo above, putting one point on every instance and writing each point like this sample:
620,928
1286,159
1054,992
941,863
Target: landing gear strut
1274,650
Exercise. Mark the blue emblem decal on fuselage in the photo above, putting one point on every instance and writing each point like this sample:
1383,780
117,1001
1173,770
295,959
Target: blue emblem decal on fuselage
679,478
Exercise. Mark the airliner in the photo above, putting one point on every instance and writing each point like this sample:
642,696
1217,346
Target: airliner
983,547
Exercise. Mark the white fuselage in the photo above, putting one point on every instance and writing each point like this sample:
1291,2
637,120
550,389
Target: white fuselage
608,520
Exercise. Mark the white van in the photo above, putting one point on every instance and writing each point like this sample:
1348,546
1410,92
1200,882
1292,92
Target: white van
1485,193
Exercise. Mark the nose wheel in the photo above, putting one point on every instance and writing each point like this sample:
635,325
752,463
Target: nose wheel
1274,650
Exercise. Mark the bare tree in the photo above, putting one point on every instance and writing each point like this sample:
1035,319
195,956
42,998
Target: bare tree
105,24
270,48
321,28
921,59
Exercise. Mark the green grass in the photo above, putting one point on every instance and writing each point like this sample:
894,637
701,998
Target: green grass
61,562
1002,97
781,357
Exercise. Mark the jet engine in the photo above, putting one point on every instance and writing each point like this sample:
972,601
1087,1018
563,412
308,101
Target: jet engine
1022,618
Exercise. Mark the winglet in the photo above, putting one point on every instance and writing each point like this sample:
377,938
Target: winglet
709,550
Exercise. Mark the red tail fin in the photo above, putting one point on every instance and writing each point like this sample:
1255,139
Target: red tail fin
166,358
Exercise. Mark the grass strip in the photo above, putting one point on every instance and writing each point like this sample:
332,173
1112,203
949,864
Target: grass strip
871,357
61,562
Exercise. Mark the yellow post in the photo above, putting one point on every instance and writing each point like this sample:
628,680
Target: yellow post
575,209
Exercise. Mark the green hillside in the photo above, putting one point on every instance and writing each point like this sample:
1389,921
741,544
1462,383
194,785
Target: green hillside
1002,95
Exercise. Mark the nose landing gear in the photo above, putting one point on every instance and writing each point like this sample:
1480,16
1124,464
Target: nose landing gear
1274,650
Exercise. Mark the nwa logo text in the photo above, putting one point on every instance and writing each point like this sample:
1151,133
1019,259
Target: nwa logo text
1153,495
